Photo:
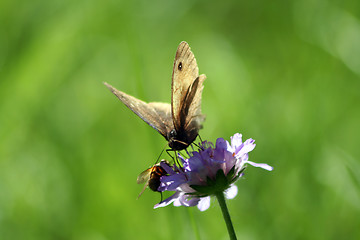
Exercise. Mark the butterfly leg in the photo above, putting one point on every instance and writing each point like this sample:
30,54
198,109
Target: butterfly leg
168,152
176,159
200,143
196,145
184,156
200,138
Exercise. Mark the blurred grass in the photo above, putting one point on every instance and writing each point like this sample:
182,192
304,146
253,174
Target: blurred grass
284,73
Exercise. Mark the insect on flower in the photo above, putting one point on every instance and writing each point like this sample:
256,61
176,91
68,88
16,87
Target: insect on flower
151,176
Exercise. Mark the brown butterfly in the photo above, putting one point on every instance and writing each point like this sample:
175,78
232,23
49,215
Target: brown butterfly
151,177
179,122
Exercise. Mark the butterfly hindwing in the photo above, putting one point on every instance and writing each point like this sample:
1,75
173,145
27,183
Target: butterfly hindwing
190,113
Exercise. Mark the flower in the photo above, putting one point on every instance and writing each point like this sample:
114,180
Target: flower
207,172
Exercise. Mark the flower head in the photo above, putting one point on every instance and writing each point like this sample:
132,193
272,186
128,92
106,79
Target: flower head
207,172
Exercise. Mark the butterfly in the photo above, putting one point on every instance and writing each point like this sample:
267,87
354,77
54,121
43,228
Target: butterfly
179,122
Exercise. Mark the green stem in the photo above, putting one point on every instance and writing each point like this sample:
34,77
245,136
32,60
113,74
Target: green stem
220,197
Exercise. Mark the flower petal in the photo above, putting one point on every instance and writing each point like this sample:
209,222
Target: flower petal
261,165
236,141
247,147
170,183
221,143
204,203
169,200
167,168
188,201
231,192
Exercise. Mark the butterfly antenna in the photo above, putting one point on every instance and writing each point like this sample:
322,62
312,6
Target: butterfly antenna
157,160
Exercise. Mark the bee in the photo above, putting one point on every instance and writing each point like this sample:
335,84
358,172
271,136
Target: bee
151,177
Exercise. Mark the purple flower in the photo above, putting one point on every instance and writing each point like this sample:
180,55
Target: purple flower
208,171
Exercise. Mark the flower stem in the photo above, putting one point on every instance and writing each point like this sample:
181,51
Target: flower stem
220,197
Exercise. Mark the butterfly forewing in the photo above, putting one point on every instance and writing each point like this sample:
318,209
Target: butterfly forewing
187,88
157,115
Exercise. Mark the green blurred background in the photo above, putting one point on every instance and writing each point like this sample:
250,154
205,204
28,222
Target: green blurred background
284,73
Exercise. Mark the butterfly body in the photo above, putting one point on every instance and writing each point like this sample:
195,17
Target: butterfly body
180,121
